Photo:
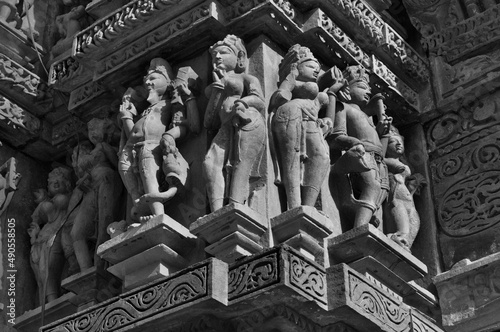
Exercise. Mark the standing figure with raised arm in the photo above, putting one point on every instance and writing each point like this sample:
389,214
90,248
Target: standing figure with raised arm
364,143
148,135
298,130
235,108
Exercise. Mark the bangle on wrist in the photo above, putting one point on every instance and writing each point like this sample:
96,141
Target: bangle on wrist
331,93
190,98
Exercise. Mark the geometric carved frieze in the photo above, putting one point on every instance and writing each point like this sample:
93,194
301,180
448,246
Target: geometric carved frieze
203,282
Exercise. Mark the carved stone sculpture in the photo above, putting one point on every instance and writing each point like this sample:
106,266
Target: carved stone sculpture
51,247
149,141
8,12
297,130
9,179
235,108
100,187
400,215
68,25
364,143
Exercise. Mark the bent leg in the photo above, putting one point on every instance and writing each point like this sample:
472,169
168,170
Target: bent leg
315,167
213,166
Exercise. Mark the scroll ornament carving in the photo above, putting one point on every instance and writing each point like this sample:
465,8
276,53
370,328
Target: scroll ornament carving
240,8
125,311
14,73
253,275
471,205
378,305
308,278
454,130
16,117
120,23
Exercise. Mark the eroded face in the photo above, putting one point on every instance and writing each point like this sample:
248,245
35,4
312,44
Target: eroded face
224,58
395,146
156,83
56,184
308,71
360,93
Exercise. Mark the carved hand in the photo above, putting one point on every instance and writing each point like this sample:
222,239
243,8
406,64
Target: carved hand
127,110
384,125
33,230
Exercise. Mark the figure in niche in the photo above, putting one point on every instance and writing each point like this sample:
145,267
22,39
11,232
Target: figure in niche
9,179
235,108
400,215
51,247
95,164
153,136
298,130
364,144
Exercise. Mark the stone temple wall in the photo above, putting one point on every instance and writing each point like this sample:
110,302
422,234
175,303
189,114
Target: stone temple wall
106,263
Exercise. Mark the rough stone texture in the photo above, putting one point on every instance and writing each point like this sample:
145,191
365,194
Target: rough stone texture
468,295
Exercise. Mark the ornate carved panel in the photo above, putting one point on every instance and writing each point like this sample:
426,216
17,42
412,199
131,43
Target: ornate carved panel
84,94
307,278
144,302
15,117
20,78
253,275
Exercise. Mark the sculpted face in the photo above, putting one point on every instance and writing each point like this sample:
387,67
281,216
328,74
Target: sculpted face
308,71
156,83
360,93
57,184
395,147
224,58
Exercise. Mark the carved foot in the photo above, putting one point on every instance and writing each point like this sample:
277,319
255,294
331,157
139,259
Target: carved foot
400,239
143,219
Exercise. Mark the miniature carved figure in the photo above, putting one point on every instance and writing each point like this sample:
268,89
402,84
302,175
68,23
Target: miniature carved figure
9,179
364,142
400,215
51,247
298,130
95,164
150,137
235,108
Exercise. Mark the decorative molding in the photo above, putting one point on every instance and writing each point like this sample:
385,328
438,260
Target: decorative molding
377,305
18,76
68,74
253,275
307,278
121,23
155,39
373,34
134,306
84,94
16,117
462,38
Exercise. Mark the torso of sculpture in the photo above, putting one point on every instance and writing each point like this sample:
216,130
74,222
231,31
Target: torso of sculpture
99,184
49,245
401,217
298,131
364,143
235,108
150,138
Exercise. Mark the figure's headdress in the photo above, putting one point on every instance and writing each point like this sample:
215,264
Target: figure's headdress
296,55
355,74
235,44
161,66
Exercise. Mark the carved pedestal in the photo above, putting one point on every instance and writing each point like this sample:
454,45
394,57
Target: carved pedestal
91,287
469,295
232,232
153,250
302,228
384,263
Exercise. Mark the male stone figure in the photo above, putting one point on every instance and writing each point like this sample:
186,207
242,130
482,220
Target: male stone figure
356,133
153,132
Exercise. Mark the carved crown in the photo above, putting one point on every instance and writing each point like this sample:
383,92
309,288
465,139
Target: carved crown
233,43
355,74
295,56
161,66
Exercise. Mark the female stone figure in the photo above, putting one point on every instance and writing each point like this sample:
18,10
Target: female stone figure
297,129
401,217
235,108
49,248
95,164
